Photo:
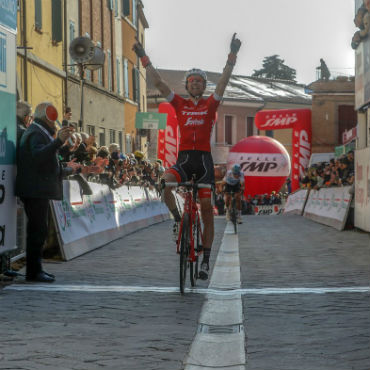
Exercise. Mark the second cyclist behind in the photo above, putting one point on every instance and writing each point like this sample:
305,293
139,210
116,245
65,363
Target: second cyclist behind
234,182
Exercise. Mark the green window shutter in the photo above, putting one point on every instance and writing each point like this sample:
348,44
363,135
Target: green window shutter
109,70
116,8
56,17
38,14
134,20
125,77
118,76
110,4
135,84
72,33
126,7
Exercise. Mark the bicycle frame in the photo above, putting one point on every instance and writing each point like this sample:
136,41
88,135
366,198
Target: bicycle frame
190,208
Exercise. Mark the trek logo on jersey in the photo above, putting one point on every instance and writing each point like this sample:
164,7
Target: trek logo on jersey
194,121
186,113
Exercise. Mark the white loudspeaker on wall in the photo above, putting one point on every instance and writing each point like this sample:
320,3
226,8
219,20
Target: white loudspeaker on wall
83,50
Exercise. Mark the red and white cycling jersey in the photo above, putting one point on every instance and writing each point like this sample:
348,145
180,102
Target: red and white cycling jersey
195,121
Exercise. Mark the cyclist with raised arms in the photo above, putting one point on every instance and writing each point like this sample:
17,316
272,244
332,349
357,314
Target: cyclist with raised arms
234,183
196,118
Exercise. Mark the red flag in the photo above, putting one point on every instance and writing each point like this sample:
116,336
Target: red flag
168,139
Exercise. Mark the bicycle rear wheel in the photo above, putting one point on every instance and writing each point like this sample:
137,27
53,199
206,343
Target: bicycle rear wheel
184,251
194,265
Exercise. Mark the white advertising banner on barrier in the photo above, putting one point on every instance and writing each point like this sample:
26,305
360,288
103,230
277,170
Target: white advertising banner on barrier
8,127
88,222
362,189
329,206
296,202
273,210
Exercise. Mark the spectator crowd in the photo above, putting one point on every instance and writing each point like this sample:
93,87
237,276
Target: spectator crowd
103,164
249,203
336,172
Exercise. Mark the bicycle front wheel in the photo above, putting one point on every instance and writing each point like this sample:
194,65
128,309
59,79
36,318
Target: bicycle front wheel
233,214
184,251
194,265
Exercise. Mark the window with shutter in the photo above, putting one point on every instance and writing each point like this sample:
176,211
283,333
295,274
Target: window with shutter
137,77
100,76
110,4
120,141
228,130
134,20
109,70
71,38
126,7
118,76
101,136
125,77
135,84
250,125
38,15
56,19
116,8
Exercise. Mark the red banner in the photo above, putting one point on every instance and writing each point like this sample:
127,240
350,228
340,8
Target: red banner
300,121
168,139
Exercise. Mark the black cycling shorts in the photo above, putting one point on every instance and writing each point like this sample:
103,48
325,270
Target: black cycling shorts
233,188
196,162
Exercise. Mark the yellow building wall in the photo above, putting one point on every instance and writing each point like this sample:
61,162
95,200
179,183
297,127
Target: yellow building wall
45,86
41,42
42,83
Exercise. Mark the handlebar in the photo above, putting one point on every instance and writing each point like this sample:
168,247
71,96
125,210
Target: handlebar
189,185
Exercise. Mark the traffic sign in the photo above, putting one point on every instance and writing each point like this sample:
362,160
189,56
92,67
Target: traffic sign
150,120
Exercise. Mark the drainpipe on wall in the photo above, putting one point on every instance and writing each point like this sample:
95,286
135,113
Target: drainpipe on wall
65,56
24,42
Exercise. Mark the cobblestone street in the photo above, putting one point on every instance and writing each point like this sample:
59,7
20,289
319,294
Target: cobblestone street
73,325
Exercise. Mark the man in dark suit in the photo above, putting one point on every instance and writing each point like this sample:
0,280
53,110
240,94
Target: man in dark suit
39,179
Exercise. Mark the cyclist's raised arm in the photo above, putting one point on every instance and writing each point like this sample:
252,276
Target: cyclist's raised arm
231,60
151,71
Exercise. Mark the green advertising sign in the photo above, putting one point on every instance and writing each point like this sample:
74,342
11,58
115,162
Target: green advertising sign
149,120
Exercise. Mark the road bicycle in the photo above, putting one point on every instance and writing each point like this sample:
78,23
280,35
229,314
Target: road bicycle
233,211
190,238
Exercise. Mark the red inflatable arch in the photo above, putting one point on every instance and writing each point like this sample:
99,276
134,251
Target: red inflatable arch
300,121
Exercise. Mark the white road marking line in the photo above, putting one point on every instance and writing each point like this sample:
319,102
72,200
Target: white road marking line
153,289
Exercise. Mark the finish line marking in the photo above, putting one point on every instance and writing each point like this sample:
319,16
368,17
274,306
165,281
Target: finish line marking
152,289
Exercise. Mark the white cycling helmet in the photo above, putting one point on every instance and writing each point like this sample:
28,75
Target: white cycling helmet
196,72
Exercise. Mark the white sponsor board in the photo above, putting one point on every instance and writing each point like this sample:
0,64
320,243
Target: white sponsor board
329,206
8,127
273,210
88,222
296,202
261,164
362,189
8,209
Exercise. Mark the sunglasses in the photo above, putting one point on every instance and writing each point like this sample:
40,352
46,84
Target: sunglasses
195,79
